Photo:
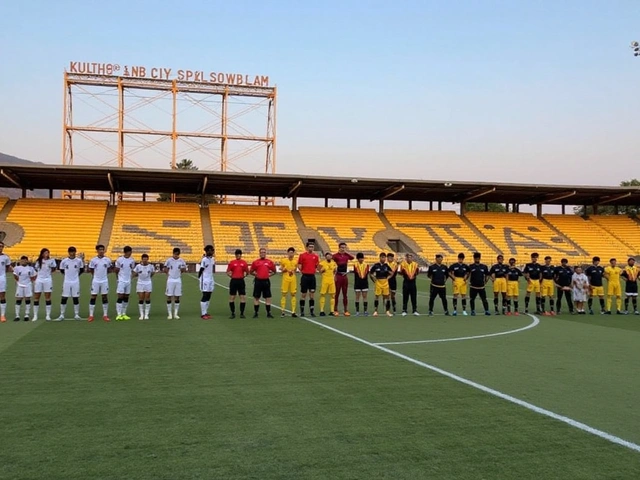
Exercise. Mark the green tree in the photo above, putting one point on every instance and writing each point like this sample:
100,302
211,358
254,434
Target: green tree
187,164
632,210
479,207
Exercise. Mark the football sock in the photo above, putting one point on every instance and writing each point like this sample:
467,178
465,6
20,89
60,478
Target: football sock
550,304
203,308
63,306
515,305
242,306
283,302
141,307
76,306
618,304
634,302
312,304
47,307
357,306
375,305
543,304
508,305
36,307
365,306
495,303
125,306
590,303
332,299
268,307
147,308
169,307
608,304
602,304
119,307
393,304
3,307
176,307
388,305
464,304
92,306
302,307
626,303
18,304
322,302
232,307
256,308
105,309
293,305
27,307
455,303
526,302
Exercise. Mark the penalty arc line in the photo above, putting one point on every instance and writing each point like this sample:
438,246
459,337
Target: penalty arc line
496,393
535,323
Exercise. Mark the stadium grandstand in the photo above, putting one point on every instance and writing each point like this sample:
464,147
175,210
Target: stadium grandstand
156,227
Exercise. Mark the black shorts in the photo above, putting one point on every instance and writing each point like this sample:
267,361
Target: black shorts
361,284
237,286
393,284
261,288
631,288
307,283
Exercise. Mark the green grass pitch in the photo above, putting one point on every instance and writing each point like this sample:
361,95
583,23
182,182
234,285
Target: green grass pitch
287,399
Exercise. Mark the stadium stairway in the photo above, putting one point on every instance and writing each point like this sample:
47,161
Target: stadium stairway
107,226
624,228
307,234
391,236
207,232
520,234
440,232
6,206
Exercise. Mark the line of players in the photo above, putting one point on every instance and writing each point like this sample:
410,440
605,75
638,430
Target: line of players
542,280
36,280
572,284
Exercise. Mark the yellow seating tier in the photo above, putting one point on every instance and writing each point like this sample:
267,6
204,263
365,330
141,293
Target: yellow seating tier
440,232
355,227
56,224
156,228
3,202
590,236
623,227
520,234
250,228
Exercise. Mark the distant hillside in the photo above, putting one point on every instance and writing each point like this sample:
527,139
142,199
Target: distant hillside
14,192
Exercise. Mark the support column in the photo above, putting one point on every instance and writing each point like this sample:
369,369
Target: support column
539,210
50,193
348,203
358,203
431,205
410,204
144,196
380,205
463,208
24,193
81,194
326,203
486,206
563,209
439,206
294,203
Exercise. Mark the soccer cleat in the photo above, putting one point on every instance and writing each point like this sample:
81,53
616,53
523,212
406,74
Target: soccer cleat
17,319
282,315
59,319
77,317
255,315
431,314
106,318
357,314
508,314
48,318
552,313
591,312
242,315
526,311
3,319
404,314
366,314
473,313
517,314
118,318
389,314
375,313
233,315
169,317
294,315
322,314
446,314
636,312
26,319
176,317
141,317
34,319
487,313
497,312
312,314
347,314
416,314
464,312
269,315
146,317
336,314
126,317
455,313
204,317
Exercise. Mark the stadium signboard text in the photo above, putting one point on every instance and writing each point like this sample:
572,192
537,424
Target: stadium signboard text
161,73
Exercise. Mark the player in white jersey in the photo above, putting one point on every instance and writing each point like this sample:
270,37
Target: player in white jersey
44,266
24,275
144,271
174,267
124,269
205,274
99,267
5,267
71,267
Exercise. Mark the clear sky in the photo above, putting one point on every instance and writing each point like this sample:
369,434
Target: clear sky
516,91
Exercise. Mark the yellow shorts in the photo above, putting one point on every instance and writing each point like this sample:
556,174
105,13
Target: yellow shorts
614,289
500,285
382,288
533,286
513,288
597,291
328,288
289,284
547,288
459,286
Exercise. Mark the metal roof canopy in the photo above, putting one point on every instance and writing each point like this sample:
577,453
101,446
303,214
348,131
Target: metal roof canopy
115,179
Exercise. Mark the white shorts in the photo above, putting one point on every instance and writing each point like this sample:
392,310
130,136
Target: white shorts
24,291
123,288
3,284
71,289
174,288
206,285
99,288
44,286
144,287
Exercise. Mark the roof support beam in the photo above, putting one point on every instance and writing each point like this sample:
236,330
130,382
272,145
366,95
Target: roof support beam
204,184
11,177
387,193
614,199
111,185
294,188
550,198
479,194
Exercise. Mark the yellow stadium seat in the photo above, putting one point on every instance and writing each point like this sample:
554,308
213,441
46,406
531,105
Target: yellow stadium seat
355,227
156,228
251,227
440,232
590,236
623,227
56,225
518,235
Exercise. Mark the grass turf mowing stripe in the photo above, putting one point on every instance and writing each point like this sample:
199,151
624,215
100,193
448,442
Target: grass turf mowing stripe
542,411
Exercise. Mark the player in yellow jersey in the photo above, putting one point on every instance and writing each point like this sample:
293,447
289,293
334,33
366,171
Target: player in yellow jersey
289,267
630,276
612,274
327,268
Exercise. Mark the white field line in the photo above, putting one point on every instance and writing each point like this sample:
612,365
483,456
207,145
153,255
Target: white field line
529,406
533,324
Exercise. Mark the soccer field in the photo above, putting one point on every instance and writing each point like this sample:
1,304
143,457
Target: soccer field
291,399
